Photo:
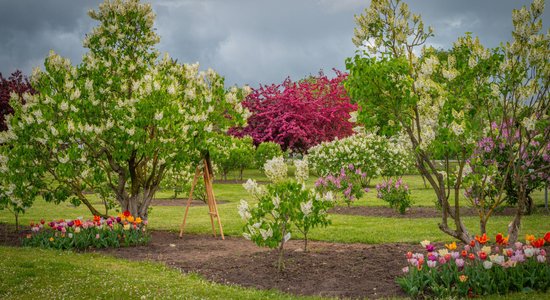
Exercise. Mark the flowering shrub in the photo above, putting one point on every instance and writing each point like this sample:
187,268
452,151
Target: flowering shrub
299,115
350,182
490,171
373,154
115,123
283,206
477,269
396,193
123,230
276,169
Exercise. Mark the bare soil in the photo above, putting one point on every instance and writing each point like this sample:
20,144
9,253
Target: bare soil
327,269
413,212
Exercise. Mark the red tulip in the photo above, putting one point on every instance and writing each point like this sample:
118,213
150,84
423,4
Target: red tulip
538,243
482,255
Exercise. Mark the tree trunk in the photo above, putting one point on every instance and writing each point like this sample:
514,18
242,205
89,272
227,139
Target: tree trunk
241,173
280,264
305,242
483,225
424,180
138,204
514,226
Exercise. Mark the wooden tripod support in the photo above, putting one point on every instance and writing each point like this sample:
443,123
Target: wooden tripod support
211,201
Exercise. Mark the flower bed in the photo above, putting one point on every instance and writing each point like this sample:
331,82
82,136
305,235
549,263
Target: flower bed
477,269
123,230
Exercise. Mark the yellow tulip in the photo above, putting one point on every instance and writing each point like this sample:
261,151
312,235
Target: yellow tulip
451,246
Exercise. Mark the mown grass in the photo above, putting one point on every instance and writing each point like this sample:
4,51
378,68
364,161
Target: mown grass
36,273
344,228
29,273
48,274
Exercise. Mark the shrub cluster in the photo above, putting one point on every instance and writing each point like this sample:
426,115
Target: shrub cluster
396,193
373,154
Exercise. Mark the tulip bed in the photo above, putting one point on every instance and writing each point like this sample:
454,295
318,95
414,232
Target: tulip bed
123,230
478,269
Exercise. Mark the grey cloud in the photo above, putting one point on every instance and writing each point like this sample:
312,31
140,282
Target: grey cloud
247,41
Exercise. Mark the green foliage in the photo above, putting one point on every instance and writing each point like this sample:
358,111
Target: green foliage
266,151
233,153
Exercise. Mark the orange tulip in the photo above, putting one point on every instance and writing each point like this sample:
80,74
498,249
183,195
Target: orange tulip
501,240
529,237
482,239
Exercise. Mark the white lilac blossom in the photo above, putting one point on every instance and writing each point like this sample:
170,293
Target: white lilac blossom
302,170
276,169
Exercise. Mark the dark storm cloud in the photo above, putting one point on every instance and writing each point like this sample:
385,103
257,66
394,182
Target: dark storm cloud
247,41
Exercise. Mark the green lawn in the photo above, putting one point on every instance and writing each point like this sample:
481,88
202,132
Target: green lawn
344,228
37,273
29,273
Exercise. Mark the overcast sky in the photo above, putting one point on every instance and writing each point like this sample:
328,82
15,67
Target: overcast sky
247,41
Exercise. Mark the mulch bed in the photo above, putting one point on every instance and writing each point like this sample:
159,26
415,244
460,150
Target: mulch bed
413,212
328,269
181,202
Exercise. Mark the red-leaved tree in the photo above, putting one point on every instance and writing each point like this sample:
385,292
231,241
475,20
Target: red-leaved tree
299,115
16,83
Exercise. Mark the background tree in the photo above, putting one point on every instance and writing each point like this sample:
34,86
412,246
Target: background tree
16,83
299,115
266,151
233,154
19,85
445,101
116,123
